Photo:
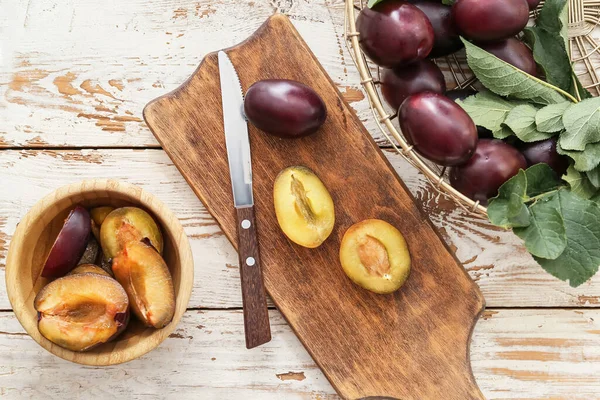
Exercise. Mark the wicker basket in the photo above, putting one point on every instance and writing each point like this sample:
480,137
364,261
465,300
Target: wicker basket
584,16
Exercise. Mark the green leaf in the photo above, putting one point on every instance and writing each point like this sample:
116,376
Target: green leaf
550,54
521,120
553,17
594,177
541,179
506,209
579,183
506,80
545,236
549,118
373,3
582,124
585,160
581,257
448,2
503,132
487,109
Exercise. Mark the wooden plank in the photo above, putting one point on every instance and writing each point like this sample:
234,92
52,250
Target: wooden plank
78,73
516,354
506,274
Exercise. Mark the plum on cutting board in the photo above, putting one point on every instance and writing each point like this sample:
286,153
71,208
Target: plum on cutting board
490,20
394,33
69,245
446,38
127,224
493,163
514,52
438,128
81,311
400,82
375,256
148,283
303,206
284,108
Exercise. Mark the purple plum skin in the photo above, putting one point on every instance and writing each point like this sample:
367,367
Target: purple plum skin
394,33
284,108
438,128
69,244
545,152
493,163
514,52
400,82
446,38
490,20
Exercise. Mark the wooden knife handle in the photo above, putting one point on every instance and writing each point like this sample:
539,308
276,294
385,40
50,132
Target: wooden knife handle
256,316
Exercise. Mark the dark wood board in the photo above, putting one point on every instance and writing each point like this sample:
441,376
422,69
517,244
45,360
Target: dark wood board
413,344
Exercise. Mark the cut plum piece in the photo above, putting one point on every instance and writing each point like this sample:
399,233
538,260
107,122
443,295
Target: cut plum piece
81,311
89,268
375,256
128,224
98,215
147,280
69,245
303,206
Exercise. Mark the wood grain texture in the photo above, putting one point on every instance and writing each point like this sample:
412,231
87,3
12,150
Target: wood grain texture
494,258
35,236
352,333
254,297
516,354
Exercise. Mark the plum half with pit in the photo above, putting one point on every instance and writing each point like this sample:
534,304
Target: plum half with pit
98,215
446,38
81,311
493,163
303,206
394,32
490,20
514,52
70,244
400,82
375,256
544,151
148,283
284,108
127,224
438,128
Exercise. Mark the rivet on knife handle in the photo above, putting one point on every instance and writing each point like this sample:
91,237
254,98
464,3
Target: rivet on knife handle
256,317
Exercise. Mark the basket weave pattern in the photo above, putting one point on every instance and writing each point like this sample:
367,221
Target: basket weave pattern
584,16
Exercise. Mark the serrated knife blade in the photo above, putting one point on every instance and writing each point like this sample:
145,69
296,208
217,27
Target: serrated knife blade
256,315
236,133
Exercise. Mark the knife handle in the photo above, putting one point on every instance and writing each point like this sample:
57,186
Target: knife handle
256,316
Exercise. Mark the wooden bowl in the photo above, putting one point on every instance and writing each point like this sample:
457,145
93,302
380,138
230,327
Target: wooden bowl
35,235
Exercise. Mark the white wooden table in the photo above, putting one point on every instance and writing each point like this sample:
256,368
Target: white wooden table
74,78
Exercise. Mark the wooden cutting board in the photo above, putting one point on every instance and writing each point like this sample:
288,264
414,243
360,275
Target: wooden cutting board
413,344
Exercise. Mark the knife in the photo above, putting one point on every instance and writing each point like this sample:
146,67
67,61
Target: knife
256,317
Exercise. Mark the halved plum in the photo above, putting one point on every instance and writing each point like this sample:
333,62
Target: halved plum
374,255
128,224
303,206
81,311
148,283
69,245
